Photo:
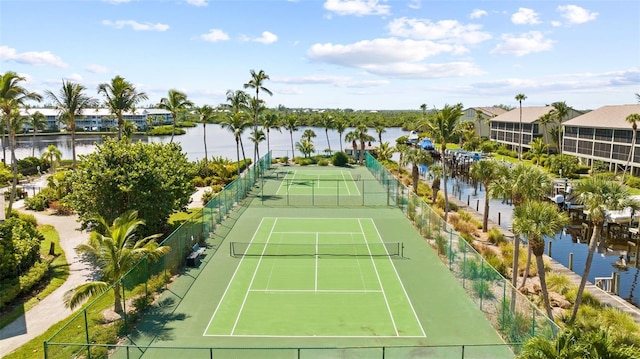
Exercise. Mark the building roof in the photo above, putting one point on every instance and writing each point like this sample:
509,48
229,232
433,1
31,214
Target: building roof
530,114
491,111
95,112
606,116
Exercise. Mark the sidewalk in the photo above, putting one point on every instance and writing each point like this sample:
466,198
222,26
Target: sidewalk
51,309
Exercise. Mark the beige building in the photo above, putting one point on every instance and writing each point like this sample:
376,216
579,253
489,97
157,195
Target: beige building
603,135
480,117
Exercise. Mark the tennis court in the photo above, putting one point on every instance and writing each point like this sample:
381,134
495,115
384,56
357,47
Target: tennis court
312,277
318,182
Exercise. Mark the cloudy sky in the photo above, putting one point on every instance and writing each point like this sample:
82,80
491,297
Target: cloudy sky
359,54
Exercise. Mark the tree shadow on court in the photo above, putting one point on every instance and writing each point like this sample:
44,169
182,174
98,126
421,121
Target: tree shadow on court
153,325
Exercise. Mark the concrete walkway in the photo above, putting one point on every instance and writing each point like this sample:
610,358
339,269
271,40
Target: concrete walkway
51,309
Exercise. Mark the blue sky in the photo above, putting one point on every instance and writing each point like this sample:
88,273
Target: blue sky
359,54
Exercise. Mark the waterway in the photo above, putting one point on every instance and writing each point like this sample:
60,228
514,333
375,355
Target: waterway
604,262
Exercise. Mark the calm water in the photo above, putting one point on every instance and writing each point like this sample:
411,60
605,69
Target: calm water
220,142
563,244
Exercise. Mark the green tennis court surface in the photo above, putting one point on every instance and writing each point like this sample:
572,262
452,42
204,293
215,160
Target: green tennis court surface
327,277
318,182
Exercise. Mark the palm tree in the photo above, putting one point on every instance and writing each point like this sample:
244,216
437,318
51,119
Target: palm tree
116,249
256,106
352,136
120,96
480,118
442,128
436,172
306,147
340,126
37,121
520,97
423,107
521,183
487,172
559,112
237,100
380,129
308,134
237,123
206,115
574,343
291,124
70,102
256,138
385,151
12,97
538,149
257,82
417,157
537,220
327,122
270,121
363,137
175,103
53,156
545,120
633,119
599,195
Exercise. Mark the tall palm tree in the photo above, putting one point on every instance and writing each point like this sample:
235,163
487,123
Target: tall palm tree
559,112
545,120
380,128
417,157
537,220
238,100
487,172
521,183
206,114
70,102
12,97
256,138
117,248
340,126
443,128
436,172
237,123
120,96
327,123
423,107
37,121
309,134
53,156
352,136
363,137
290,124
598,195
385,151
306,147
176,103
257,82
270,121
520,97
256,106
633,119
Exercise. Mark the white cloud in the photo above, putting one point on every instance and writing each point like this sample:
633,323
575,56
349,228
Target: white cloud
357,7
449,31
415,4
31,57
525,16
337,81
477,13
73,77
393,57
197,2
266,38
137,26
215,35
97,69
575,14
524,44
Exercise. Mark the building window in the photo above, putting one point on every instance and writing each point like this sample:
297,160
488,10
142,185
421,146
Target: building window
602,150
571,131
569,145
584,147
623,136
604,134
586,133
620,152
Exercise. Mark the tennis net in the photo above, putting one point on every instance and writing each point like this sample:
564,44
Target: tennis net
387,249
287,176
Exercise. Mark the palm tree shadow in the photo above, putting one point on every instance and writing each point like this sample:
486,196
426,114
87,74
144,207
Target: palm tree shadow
153,325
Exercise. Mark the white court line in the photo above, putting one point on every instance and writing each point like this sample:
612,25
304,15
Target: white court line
231,280
253,277
344,179
293,291
303,232
384,295
400,281
316,278
313,336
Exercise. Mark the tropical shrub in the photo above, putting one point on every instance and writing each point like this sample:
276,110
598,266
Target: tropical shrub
496,237
340,159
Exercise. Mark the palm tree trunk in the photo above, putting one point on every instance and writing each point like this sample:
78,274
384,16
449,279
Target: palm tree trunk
173,127
14,170
631,154
527,268
117,301
444,176
4,152
120,123
293,154
514,269
238,155
244,157
415,176
340,135
361,151
593,243
33,144
268,145
326,132
204,130
485,215
73,146
543,286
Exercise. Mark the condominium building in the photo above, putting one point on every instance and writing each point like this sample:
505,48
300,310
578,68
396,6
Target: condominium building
603,135
100,119
480,117
514,129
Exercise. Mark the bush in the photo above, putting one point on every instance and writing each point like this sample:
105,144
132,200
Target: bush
633,182
340,159
12,288
198,182
323,162
36,203
496,237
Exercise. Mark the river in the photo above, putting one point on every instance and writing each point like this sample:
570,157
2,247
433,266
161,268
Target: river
220,142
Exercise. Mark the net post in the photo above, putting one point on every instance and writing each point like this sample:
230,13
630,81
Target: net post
230,249
401,249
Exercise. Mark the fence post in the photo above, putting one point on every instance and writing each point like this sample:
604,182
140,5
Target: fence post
571,261
450,247
86,332
549,251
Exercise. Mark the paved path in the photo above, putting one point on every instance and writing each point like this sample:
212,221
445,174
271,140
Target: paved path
51,309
